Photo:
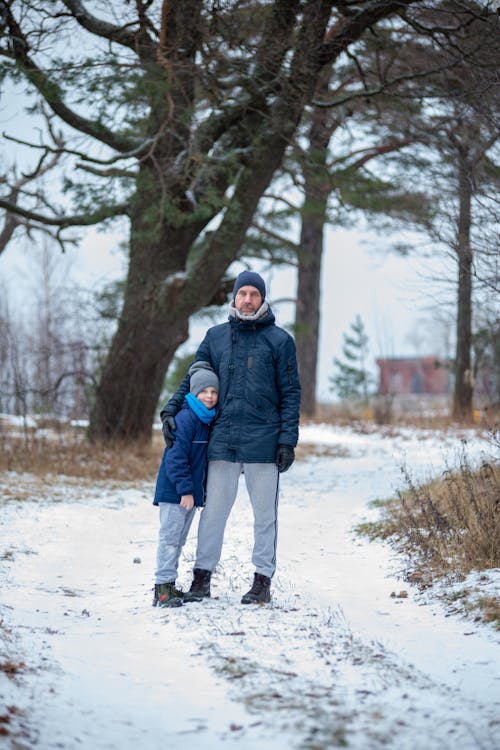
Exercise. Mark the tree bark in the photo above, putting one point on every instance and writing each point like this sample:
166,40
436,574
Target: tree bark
463,390
307,317
317,188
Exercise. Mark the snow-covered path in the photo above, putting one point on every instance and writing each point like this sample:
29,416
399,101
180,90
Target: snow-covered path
333,661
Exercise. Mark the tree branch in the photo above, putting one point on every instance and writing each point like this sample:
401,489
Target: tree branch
113,172
347,31
385,85
119,34
137,152
82,220
282,199
274,235
372,152
51,93
10,225
13,219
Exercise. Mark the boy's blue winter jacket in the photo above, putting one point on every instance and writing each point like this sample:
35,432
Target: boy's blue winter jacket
183,466
259,394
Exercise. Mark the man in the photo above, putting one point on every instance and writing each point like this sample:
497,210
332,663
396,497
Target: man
255,431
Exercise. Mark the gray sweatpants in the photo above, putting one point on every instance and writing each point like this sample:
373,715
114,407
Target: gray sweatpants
175,522
262,482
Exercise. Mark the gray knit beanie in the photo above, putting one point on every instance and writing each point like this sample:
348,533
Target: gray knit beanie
202,376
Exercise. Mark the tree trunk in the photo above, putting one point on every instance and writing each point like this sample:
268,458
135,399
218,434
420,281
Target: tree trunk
153,322
145,342
161,296
463,392
307,315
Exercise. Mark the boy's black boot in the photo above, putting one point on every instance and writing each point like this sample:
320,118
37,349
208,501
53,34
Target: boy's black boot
260,593
166,595
200,586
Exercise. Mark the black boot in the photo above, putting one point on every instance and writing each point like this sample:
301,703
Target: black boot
260,591
166,595
200,586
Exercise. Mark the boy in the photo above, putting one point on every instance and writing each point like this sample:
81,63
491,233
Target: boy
180,485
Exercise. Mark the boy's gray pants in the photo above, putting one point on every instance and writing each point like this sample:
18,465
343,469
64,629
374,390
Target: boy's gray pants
175,522
262,482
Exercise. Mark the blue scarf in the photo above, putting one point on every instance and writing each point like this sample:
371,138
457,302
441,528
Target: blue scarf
201,411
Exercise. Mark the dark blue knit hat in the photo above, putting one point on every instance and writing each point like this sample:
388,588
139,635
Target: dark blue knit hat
250,278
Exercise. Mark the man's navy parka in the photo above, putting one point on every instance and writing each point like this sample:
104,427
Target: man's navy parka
259,393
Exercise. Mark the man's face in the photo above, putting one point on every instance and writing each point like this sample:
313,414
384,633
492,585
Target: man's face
247,300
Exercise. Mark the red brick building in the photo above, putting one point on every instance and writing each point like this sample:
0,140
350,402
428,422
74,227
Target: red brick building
414,375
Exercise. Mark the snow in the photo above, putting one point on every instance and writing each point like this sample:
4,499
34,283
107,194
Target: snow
13,421
334,660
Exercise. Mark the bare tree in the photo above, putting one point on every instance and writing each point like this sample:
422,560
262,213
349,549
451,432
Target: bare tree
49,350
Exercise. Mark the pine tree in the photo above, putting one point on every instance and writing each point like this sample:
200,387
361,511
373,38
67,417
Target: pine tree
186,110
352,379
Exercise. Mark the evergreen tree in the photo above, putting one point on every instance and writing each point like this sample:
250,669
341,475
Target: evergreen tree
352,379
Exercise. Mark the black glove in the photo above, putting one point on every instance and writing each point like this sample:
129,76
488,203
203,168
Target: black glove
168,428
285,456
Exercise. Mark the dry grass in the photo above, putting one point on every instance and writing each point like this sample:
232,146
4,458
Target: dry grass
454,523
305,450
12,668
66,452
424,412
446,529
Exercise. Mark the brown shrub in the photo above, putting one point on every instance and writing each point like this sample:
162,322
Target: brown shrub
446,529
454,523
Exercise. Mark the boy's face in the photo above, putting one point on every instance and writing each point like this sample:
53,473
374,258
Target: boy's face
208,397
